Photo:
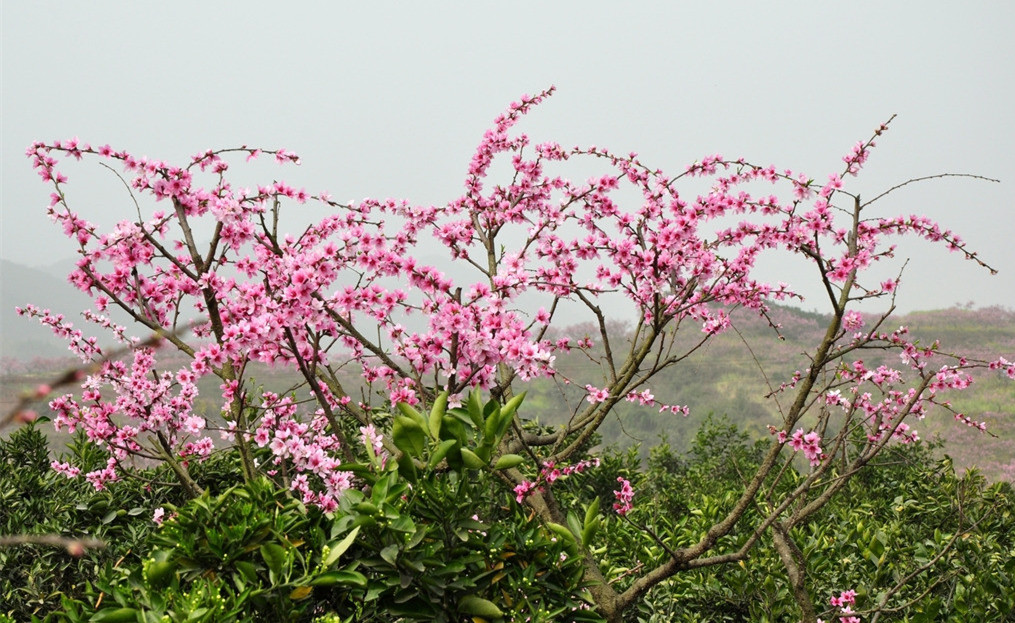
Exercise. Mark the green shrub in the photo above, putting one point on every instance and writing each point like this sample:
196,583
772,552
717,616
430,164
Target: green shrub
888,523
423,540
35,500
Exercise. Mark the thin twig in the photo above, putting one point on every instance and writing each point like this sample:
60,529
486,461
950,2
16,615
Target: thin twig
74,546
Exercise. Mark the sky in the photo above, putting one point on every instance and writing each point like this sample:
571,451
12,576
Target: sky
390,99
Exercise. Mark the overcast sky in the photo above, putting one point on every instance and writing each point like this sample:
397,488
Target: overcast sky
386,99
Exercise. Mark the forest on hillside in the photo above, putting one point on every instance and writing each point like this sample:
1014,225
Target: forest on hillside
723,379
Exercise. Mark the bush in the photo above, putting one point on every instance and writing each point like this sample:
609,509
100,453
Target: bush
425,543
35,500
912,515
352,310
434,546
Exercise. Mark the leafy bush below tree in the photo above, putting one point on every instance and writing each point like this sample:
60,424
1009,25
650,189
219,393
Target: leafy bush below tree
435,547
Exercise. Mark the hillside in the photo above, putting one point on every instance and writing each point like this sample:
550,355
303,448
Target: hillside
23,339
724,378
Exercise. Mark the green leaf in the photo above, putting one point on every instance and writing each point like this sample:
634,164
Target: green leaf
877,544
561,531
484,451
489,408
411,413
440,406
471,460
490,427
477,606
408,436
348,578
406,468
114,615
157,572
367,508
507,461
274,556
196,615
476,408
402,523
508,410
417,608
300,592
362,470
591,511
453,428
441,451
590,530
572,523
390,554
335,551
247,569
506,414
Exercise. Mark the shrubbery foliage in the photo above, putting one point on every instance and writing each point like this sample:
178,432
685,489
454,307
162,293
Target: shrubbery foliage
439,548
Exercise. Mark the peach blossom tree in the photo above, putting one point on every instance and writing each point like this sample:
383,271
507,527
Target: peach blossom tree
379,338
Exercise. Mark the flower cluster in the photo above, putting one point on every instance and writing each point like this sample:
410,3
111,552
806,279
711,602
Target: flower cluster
809,443
1002,363
549,474
852,320
624,497
844,602
595,395
374,443
305,446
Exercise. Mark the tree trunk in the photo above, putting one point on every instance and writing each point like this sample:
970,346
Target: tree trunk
793,559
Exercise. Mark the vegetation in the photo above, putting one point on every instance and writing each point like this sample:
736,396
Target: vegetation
422,489
722,379
924,544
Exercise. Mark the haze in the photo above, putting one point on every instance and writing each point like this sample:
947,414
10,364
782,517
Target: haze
389,100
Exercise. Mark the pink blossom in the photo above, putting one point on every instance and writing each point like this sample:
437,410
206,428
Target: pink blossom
645,397
844,603
523,490
372,440
624,496
98,478
350,292
809,443
66,469
852,320
596,395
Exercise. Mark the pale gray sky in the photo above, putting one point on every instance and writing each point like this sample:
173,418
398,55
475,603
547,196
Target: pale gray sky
389,99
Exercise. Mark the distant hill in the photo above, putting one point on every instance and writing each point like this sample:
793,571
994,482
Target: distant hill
26,339
723,378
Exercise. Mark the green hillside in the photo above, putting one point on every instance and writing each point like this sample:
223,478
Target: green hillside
724,378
